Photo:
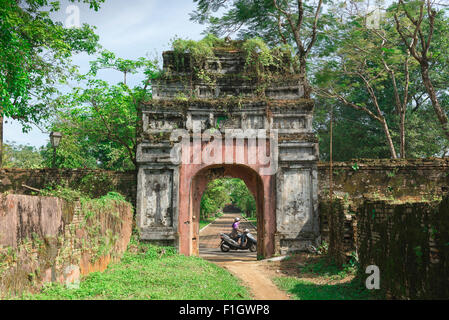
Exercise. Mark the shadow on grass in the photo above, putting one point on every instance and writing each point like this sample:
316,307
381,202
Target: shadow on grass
318,277
304,290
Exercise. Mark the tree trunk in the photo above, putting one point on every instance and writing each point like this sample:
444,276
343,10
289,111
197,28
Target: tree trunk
303,73
389,140
433,97
402,133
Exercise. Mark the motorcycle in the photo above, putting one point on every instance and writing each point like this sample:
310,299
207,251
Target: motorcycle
227,243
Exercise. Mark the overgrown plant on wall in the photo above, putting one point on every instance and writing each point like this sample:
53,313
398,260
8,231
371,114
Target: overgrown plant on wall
91,233
262,64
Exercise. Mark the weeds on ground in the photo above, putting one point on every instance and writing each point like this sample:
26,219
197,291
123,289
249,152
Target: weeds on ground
151,272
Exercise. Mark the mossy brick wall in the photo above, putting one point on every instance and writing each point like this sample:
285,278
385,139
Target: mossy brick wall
357,180
96,183
47,239
378,179
338,229
409,243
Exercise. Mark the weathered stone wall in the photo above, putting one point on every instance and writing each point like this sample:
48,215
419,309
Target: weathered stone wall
382,179
45,239
412,179
338,227
409,243
95,183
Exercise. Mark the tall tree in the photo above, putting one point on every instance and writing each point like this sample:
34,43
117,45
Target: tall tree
35,57
294,22
359,58
416,21
100,120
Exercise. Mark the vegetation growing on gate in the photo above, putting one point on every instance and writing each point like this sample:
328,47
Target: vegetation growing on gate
262,64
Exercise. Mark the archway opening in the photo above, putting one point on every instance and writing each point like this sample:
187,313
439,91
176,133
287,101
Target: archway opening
223,200
220,194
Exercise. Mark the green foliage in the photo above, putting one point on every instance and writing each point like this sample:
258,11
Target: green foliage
252,18
214,198
21,156
151,272
99,120
347,54
35,56
257,55
198,53
224,191
243,198
63,193
262,63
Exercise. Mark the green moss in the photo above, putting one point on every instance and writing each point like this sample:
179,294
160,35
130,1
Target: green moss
199,61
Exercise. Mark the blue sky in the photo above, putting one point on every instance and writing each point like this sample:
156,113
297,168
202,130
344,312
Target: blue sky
130,29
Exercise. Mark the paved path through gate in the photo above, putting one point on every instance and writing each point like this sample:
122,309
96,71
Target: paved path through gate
241,263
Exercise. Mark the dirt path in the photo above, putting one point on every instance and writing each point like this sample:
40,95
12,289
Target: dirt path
242,264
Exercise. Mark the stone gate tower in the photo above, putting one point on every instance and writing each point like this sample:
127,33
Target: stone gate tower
196,104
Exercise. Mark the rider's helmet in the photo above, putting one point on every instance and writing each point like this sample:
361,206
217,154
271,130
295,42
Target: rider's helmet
246,231
237,219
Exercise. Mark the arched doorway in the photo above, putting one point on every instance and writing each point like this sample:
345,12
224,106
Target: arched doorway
260,187
250,178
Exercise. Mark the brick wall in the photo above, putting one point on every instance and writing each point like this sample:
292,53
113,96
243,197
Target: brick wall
45,239
357,181
415,179
96,183
409,243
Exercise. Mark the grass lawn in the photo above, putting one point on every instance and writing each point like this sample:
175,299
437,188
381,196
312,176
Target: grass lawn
306,290
150,272
318,278
205,222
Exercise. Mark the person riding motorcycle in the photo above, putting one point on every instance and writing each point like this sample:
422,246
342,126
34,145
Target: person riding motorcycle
236,232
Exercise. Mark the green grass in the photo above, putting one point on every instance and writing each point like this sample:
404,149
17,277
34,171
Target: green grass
204,223
152,272
327,269
305,290
250,219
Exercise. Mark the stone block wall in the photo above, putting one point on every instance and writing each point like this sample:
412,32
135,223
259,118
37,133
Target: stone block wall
357,181
409,243
95,183
411,179
338,227
47,239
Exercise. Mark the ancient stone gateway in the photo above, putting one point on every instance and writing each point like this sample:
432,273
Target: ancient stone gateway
227,130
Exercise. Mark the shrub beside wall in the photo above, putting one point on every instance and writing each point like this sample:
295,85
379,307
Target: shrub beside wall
48,239
95,183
